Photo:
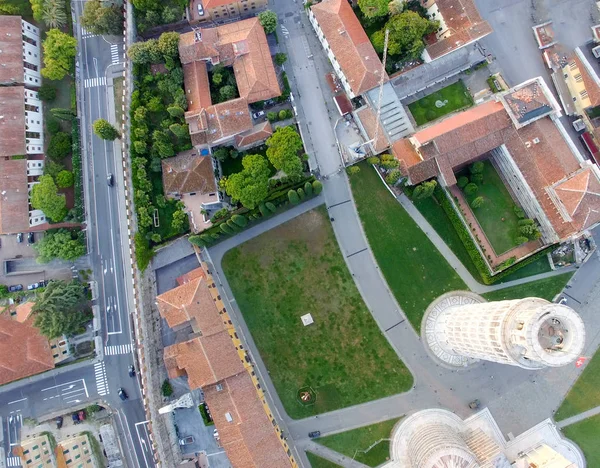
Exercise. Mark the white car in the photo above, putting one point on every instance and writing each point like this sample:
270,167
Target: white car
200,9
258,115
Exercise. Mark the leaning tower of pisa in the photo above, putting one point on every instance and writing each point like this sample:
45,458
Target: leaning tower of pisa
461,328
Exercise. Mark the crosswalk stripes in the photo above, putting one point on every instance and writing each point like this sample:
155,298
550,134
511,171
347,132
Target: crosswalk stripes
13,461
114,53
94,82
101,383
117,349
86,34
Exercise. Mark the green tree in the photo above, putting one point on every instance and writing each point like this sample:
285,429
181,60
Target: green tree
317,187
476,167
140,146
395,7
105,130
373,8
167,388
424,189
179,217
280,58
59,55
47,93
251,185
145,52
65,179
179,130
272,116
221,154
168,44
52,169
175,111
271,207
60,308
54,13
45,197
282,150
62,114
268,20
226,93
393,176
37,8
462,182
4,291
162,144
283,114
293,197
521,240
62,244
477,202
102,17
52,125
519,212
143,252
353,170
374,160
308,189
59,146
477,178
406,34
471,188
388,161
530,230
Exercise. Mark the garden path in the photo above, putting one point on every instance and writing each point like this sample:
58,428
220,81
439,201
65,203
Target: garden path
579,417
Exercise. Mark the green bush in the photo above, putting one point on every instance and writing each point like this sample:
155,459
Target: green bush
143,252
476,167
59,147
353,170
477,178
47,93
293,197
240,220
272,208
519,212
233,226
64,179
317,187
477,202
78,209
462,182
471,188
52,125
374,160
262,207
225,228
272,116
521,240
167,388
308,190
301,194
197,241
208,421
282,114
393,176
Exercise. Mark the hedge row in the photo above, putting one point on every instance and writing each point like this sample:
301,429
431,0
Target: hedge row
77,173
469,243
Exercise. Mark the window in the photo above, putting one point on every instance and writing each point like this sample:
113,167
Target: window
583,94
578,78
218,387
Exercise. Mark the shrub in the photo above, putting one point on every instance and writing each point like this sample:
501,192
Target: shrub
221,154
280,58
52,125
308,190
519,212
373,160
521,240
393,176
143,252
477,202
424,189
462,182
233,226
301,193
262,207
59,147
272,116
167,388
220,214
283,114
388,161
353,170
293,197
477,178
47,93
525,222
64,179
471,188
225,228
272,208
240,220
476,167
317,187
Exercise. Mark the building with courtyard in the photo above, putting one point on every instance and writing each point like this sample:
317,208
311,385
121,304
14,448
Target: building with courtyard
437,438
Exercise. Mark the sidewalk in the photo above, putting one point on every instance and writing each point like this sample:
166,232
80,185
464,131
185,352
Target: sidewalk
579,417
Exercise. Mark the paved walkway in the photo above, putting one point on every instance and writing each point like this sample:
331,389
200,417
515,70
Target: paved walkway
330,455
579,417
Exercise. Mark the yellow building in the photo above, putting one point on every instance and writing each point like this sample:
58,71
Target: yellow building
36,452
75,452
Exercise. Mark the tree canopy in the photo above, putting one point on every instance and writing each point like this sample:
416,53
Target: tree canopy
60,308
59,55
62,244
102,17
105,130
168,44
45,197
59,146
373,8
145,52
251,185
268,20
406,34
282,150
65,179
54,13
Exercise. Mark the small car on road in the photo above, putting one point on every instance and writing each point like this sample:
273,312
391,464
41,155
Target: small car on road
186,440
59,422
15,288
30,238
39,284
258,115
122,394
75,418
109,180
314,434
20,237
131,371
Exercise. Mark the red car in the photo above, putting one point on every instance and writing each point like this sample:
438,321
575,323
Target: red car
82,415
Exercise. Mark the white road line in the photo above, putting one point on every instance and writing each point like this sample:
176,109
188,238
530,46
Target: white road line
114,53
13,461
94,82
117,349
62,385
101,383
16,401
142,441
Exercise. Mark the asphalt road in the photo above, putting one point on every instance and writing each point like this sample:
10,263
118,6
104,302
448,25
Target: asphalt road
63,390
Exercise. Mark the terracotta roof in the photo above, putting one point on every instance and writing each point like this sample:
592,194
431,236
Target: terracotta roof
191,275
403,150
591,85
23,311
368,119
259,132
11,51
220,122
188,172
205,359
248,437
197,87
14,198
349,44
190,302
528,102
241,44
215,3
580,196
463,21
12,123
23,350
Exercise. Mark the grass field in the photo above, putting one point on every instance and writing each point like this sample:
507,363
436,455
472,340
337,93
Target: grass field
414,269
354,443
118,94
496,217
541,265
545,288
318,462
585,394
295,269
586,434
424,110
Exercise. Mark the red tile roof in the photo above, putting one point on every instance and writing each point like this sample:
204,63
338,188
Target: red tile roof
368,119
11,51
188,172
580,197
463,21
260,132
14,198
190,276
197,87
349,44
12,120
23,350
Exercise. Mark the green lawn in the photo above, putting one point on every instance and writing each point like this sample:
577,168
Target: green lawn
545,288
414,269
318,462
424,110
295,269
354,443
118,94
165,214
541,265
496,217
585,394
586,434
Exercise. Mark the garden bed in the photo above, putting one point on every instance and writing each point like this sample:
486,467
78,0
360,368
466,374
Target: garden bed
295,269
454,97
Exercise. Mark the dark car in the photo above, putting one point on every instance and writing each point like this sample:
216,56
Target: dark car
122,394
20,237
109,180
15,288
59,422
30,239
75,418
314,434
131,371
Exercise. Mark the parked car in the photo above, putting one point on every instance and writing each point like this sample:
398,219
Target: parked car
216,434
82,415
186,440
131,371
20,237
258,115
59,422
15,288
200,9
122,394
75,418
37,285
30,238
314,434
109,180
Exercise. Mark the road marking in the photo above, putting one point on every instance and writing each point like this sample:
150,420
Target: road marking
94,82
143,440
101,383
13,461
117,349
16,401
114,53
85,34
63,384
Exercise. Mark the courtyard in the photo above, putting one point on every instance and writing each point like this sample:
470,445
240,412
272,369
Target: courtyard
342,359
449,99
